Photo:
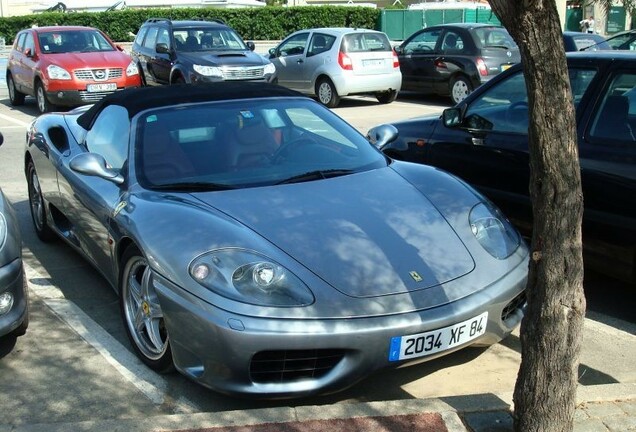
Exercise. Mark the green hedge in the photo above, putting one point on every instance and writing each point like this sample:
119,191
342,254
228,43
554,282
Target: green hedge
265,23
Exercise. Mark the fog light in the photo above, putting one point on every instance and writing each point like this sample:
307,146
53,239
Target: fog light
6,302
60,94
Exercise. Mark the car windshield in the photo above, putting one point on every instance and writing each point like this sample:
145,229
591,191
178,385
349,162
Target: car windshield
247,143
207,39
65,41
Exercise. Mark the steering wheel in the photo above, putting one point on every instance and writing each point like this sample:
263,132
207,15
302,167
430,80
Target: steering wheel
517,112
283,152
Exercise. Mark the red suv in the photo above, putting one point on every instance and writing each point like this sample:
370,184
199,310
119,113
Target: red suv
67,66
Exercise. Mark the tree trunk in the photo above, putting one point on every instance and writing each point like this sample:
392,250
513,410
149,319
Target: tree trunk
551,332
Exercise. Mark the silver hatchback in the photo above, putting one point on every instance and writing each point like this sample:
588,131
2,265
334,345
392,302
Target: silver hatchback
333,62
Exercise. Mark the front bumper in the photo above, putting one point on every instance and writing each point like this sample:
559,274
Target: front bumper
12,280
226,351
72,98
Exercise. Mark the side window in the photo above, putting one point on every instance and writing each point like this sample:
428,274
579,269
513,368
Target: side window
19,43
139,39
320,43
294,45
29,43
423,43
151,38
453,43
163,37
109,136
615,120
503,108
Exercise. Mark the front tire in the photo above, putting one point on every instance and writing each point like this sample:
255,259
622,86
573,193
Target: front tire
459,88
15,97
38,206
327,94
142,313
44,105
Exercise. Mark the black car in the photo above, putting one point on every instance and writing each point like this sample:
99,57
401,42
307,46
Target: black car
454,59
579,41
488,147
169,52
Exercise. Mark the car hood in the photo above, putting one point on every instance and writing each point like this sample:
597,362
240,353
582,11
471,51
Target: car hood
368,234
93,60
224,58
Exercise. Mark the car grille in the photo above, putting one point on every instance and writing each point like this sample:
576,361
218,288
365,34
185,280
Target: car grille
93,96
243,73
514,304
98,74
291,366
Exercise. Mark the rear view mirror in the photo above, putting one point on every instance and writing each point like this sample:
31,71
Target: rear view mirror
383,135
251,45
92,164
452,117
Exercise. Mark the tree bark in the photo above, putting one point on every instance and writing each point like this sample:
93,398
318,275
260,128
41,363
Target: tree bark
551,331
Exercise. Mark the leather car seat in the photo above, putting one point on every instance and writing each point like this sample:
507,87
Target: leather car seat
163,159
248,143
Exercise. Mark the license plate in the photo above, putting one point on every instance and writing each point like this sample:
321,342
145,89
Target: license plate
373,63
506,66
431,342
91,88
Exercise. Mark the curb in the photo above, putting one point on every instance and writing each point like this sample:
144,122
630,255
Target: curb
450,408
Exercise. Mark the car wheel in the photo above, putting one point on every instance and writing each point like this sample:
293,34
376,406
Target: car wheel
44,105
24,325
15,97
37,205
142,314
460,87
179,80
327,94
386,97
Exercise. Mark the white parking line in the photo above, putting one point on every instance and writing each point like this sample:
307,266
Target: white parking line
13,120
151,384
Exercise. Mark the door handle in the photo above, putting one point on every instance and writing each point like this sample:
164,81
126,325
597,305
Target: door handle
299,61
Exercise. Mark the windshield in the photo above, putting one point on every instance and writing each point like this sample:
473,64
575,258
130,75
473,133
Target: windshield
207,39
57,42
247,143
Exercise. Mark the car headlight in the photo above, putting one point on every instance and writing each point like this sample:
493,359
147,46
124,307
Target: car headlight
57,73
493,231
251,278
269,69
132,69
211,71
3,230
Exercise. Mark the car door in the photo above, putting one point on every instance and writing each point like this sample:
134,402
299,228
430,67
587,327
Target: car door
90,202
490,149
607,150
160,63
14,63
148,54
30,63
289,59
316,55
417,60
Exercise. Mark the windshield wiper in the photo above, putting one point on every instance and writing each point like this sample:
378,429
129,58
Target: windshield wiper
193,186
316,175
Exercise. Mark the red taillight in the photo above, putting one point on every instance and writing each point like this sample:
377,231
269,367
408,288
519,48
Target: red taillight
481,67
396,61
344,61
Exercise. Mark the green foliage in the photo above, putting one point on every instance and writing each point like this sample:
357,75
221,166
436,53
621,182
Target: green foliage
266,23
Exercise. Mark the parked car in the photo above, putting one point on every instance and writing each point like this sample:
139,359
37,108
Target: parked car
14,300
579,41
66,66
331,63
488,147
261,245
454,59
625,40
174,52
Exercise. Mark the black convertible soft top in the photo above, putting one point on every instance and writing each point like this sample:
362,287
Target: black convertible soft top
136,100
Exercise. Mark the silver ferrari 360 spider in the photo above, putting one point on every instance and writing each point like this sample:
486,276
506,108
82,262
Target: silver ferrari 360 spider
261,245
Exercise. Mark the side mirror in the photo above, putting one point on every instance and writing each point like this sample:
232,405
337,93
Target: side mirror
251,45
92,164
28,52
452,117
399,49
383,135
272,52
162,48
1,138
119,47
